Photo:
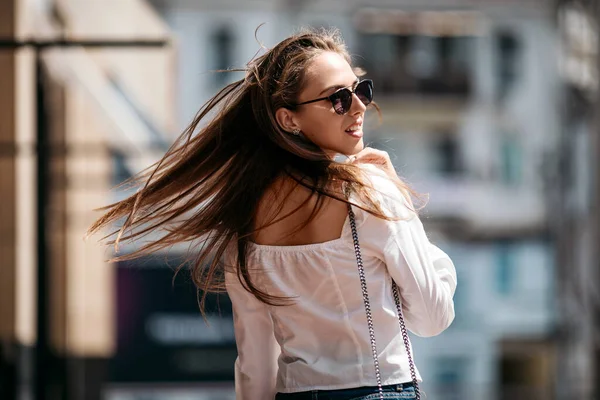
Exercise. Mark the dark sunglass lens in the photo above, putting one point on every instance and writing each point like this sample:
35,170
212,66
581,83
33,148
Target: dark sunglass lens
364,91
341,101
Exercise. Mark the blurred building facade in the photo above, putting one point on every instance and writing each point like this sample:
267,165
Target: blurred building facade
477,113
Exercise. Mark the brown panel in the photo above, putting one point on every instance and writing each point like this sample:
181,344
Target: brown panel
57,277
17,196
7,18
7,195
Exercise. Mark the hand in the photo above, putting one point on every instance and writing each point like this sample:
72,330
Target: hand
377,157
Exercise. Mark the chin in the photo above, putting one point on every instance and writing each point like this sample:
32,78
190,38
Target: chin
348,151
357,148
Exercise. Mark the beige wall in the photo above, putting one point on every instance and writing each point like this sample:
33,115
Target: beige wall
148,74
82,281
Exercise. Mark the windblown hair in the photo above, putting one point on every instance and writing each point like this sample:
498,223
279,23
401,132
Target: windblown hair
207,187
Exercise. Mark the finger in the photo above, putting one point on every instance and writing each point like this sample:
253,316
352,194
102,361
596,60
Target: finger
373,157
371,151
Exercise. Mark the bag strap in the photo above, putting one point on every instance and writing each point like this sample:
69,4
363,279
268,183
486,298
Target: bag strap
363,284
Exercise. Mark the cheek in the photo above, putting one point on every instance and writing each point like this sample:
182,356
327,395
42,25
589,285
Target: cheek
323,128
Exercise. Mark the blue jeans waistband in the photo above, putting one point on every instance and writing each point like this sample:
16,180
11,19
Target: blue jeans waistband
341,394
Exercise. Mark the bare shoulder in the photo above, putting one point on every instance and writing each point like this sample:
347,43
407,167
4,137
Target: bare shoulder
277,199
284,216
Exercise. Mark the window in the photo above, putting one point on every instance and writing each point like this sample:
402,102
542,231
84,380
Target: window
508,49
510,158
447,150
222,42
418,64
450,377
505,267
120,170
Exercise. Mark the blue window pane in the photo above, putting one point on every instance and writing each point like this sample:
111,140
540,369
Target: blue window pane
505,268
450,377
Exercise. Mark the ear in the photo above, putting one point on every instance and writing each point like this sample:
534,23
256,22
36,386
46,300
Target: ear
286,119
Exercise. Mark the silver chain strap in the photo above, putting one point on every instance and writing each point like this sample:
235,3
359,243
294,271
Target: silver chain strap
363,284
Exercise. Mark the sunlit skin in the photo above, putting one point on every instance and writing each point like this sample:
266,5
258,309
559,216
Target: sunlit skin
318,121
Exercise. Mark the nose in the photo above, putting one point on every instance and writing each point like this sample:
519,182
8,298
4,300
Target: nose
357,106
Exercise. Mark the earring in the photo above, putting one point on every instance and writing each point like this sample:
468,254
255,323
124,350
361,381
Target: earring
296,132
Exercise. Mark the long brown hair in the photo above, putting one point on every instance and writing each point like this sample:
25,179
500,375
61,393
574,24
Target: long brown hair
207,187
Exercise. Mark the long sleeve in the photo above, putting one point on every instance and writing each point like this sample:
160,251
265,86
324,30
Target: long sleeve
256,364
424,274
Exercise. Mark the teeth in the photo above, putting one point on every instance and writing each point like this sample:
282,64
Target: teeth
354,128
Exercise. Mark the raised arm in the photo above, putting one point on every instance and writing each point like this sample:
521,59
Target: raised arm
424,273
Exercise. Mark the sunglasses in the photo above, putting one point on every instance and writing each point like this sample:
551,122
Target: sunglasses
342,99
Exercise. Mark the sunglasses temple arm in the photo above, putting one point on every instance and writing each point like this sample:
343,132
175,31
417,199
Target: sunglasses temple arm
313,101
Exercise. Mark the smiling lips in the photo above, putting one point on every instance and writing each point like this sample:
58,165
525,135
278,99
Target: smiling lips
355,129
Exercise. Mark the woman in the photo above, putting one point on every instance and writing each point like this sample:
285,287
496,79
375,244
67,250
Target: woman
258,191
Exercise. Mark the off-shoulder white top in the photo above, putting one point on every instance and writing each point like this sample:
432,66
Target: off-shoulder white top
322,341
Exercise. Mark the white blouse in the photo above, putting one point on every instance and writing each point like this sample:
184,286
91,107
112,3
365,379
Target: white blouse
322,341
